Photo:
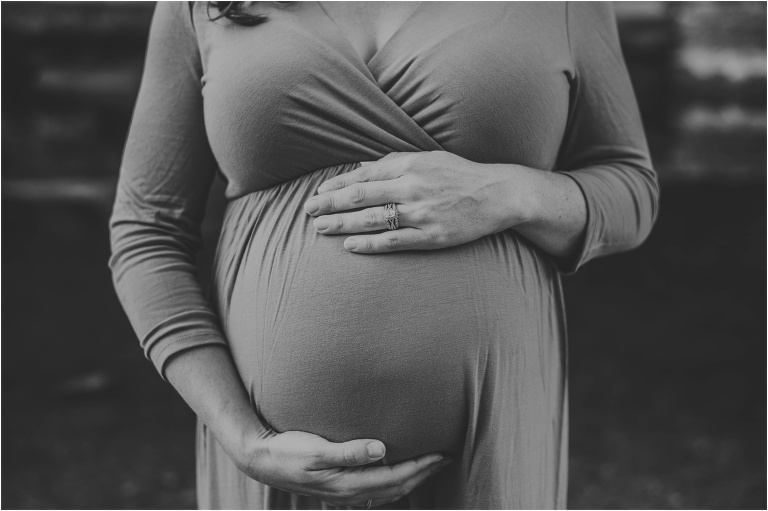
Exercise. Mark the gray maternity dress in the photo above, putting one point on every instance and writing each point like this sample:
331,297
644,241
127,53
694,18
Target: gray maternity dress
460,350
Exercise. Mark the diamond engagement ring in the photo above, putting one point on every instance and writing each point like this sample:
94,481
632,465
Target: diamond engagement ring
390,215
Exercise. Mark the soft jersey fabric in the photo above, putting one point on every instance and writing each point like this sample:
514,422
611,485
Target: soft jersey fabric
460,350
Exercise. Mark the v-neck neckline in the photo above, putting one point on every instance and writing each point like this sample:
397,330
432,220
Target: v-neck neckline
370,64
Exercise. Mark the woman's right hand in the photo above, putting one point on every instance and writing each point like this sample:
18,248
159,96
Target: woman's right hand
302,463
337,473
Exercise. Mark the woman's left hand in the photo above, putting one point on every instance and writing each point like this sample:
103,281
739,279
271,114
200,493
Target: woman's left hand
442,200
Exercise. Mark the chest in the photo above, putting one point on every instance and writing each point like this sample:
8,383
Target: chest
314,87
368,25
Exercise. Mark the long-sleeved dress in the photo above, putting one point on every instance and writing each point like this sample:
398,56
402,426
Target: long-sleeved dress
460,350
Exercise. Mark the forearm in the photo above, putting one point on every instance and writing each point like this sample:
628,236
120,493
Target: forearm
555,212
207,379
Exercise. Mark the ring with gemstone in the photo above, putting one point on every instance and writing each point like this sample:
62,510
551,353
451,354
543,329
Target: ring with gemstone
390,215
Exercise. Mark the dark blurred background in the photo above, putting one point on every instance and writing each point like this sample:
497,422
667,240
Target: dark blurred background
667,344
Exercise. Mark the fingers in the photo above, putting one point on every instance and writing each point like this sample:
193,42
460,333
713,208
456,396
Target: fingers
390,156
341,473
400,239
413,476
367,172
390,483
355,196
365,220
349,454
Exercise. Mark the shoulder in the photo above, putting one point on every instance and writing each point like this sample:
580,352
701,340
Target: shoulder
190,15
583,15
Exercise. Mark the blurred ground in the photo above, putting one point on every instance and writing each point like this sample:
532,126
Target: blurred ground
667,343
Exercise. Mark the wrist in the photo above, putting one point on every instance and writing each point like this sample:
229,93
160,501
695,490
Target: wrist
518,194
250,450
558,214
252,436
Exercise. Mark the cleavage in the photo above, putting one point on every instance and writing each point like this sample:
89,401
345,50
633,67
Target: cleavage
368,26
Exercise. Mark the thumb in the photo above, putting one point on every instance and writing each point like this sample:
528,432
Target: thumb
353,453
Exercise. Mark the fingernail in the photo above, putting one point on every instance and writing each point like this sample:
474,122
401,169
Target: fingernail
350,244
321,224
375,450
311,206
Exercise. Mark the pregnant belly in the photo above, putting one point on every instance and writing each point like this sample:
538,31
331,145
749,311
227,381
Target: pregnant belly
386,346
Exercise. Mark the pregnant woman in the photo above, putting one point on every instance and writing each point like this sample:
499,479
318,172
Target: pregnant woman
406,184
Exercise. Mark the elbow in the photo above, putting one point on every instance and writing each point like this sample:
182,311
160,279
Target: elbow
646,208
136,242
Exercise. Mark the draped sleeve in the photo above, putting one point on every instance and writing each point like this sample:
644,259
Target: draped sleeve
165,176
604,149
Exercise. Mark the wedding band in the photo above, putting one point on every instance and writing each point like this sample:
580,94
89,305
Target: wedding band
390,215
369,504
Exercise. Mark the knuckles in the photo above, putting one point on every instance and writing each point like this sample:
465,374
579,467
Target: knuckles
414,188
357,194
418,216
439,237
435,237
364,174
349,457
328,203
392,242
371,219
